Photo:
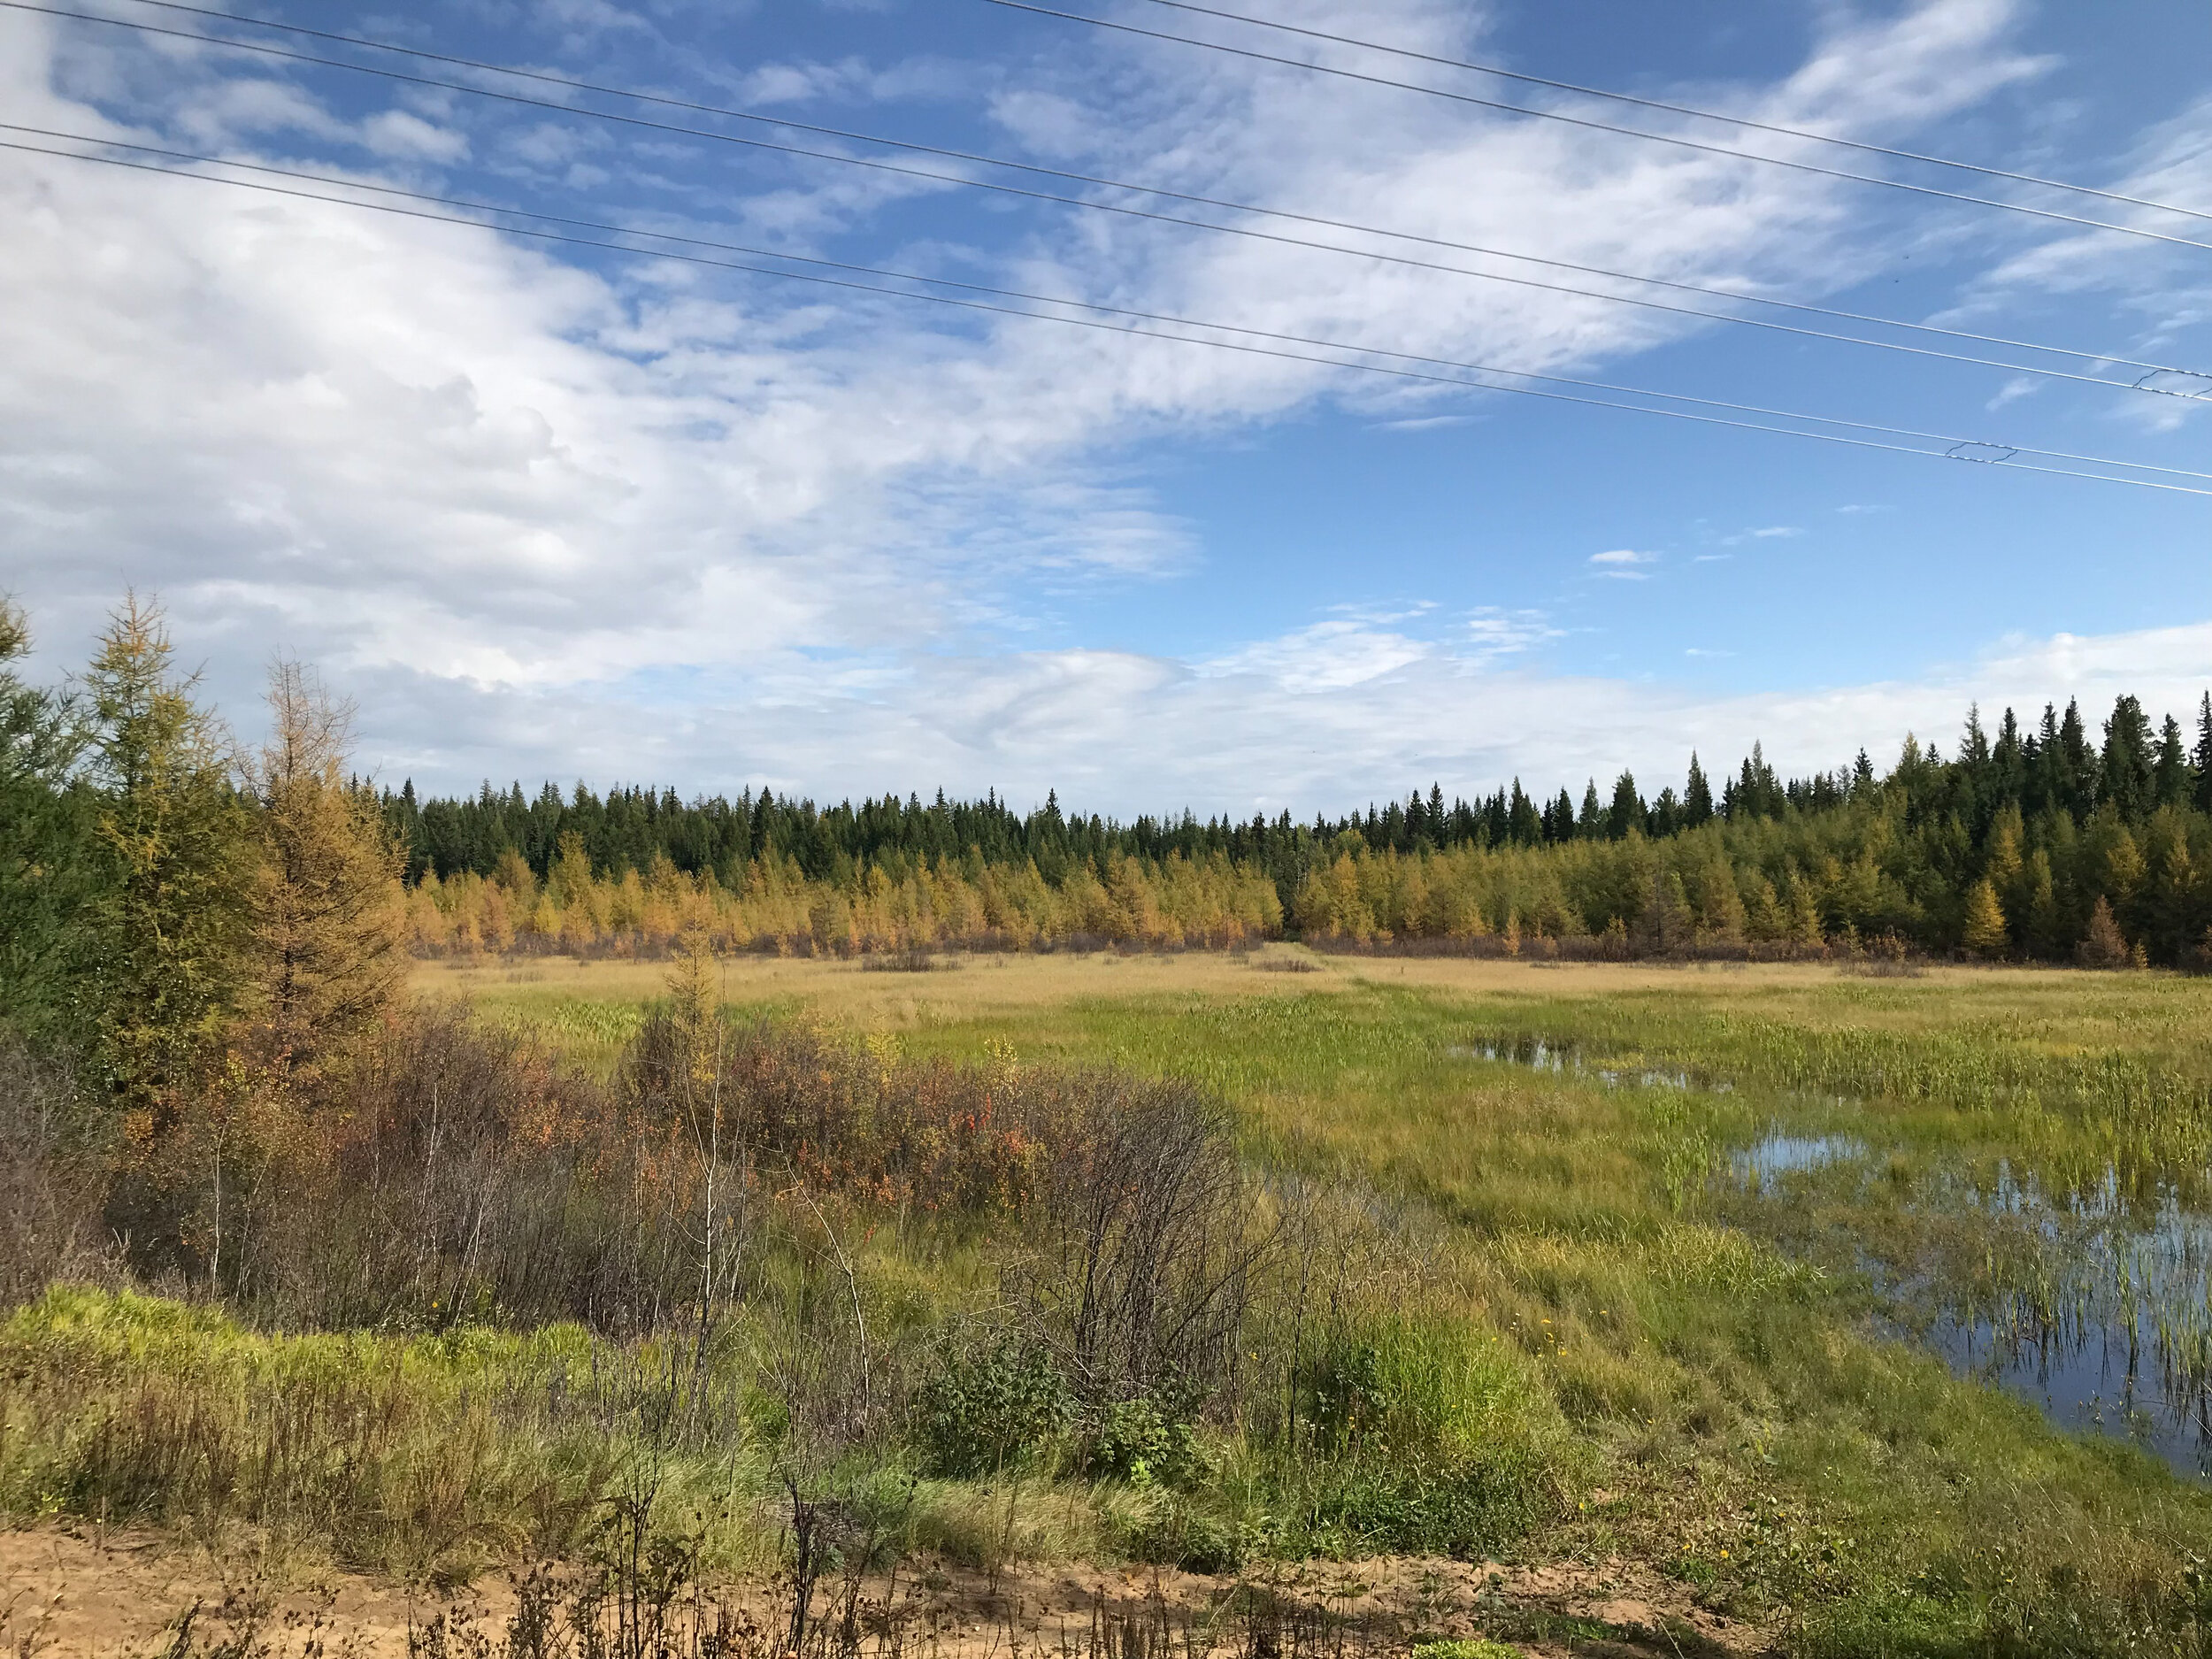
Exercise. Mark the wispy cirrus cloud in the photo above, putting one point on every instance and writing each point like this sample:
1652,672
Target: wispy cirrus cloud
552,515
1624,564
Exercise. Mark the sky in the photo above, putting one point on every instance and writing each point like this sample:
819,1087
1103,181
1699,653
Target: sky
544,510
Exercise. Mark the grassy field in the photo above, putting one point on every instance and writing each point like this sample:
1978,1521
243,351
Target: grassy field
1776,1282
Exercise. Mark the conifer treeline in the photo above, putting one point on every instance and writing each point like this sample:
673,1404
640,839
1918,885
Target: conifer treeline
2012,847
2042,841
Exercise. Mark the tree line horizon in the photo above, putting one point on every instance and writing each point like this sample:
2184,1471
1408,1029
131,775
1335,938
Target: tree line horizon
2047,775
2032,841
2056,767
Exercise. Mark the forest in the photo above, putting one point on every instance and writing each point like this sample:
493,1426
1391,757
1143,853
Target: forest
2039,842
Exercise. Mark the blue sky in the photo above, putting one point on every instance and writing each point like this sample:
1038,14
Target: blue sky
540,511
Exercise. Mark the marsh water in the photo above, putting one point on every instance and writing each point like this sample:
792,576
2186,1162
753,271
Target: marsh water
2092,1303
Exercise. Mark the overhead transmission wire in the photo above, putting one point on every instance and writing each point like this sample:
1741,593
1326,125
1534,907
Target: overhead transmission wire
1599,127
564,81
1744,121
2152,370
2007,458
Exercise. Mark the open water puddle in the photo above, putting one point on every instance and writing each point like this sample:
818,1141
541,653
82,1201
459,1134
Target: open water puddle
1535,1055
1756,1167
2095,1307
2100,1312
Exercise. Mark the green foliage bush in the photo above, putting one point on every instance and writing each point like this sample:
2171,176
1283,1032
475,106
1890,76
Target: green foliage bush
1153,1438
992,1408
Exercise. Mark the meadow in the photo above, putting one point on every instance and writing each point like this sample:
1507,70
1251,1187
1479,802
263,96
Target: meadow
1722,1240
1864,1313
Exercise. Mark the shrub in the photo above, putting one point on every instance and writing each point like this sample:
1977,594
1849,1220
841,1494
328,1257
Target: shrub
49,1202
1152,1439
1145,1244
989,1409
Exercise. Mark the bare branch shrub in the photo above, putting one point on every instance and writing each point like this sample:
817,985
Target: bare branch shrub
1144,1244
50,1199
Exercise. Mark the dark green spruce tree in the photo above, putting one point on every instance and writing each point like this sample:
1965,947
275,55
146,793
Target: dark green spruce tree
1697,797
2124,776
46,874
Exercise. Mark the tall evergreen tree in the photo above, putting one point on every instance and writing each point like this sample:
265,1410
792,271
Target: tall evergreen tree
1697,796
45,852
1523,825
2008,763
2202,759
1627,810
2171,780
2124,776
2076,765
175,859
2046,779
1974,746
1590,825
1559,818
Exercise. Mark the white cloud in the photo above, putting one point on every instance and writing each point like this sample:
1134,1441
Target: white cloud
1624,563
1492,632
1313,719
405,137
544,521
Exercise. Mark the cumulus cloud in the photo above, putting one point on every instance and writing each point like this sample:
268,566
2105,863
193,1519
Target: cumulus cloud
553,518
1312,720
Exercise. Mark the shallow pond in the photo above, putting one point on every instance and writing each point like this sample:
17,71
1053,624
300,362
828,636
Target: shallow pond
2095,1306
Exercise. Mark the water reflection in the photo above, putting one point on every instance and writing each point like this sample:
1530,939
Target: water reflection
2093,1303
2095,1306
1756,1167
1536,1055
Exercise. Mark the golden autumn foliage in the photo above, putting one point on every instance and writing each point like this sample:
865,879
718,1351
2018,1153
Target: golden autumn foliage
1688,891
1173,904
327,921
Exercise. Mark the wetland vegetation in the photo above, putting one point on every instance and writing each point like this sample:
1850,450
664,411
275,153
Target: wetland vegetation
1859,1303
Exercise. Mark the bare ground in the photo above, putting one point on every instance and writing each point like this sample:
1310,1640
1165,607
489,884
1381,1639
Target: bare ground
70,1591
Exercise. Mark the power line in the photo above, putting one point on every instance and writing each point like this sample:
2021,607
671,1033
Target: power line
2004,454
1601,126
1950,439
2152,369
1671,109
1045,299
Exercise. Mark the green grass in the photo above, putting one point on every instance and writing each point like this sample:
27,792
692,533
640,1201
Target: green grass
1733,1405
1552,1334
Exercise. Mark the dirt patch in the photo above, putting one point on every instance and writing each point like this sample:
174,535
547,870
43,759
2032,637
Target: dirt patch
116,1595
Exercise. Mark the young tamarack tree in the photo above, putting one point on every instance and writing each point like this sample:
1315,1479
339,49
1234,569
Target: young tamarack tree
326,918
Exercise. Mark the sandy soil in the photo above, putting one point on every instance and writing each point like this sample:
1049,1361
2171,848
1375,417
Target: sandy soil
66,1591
